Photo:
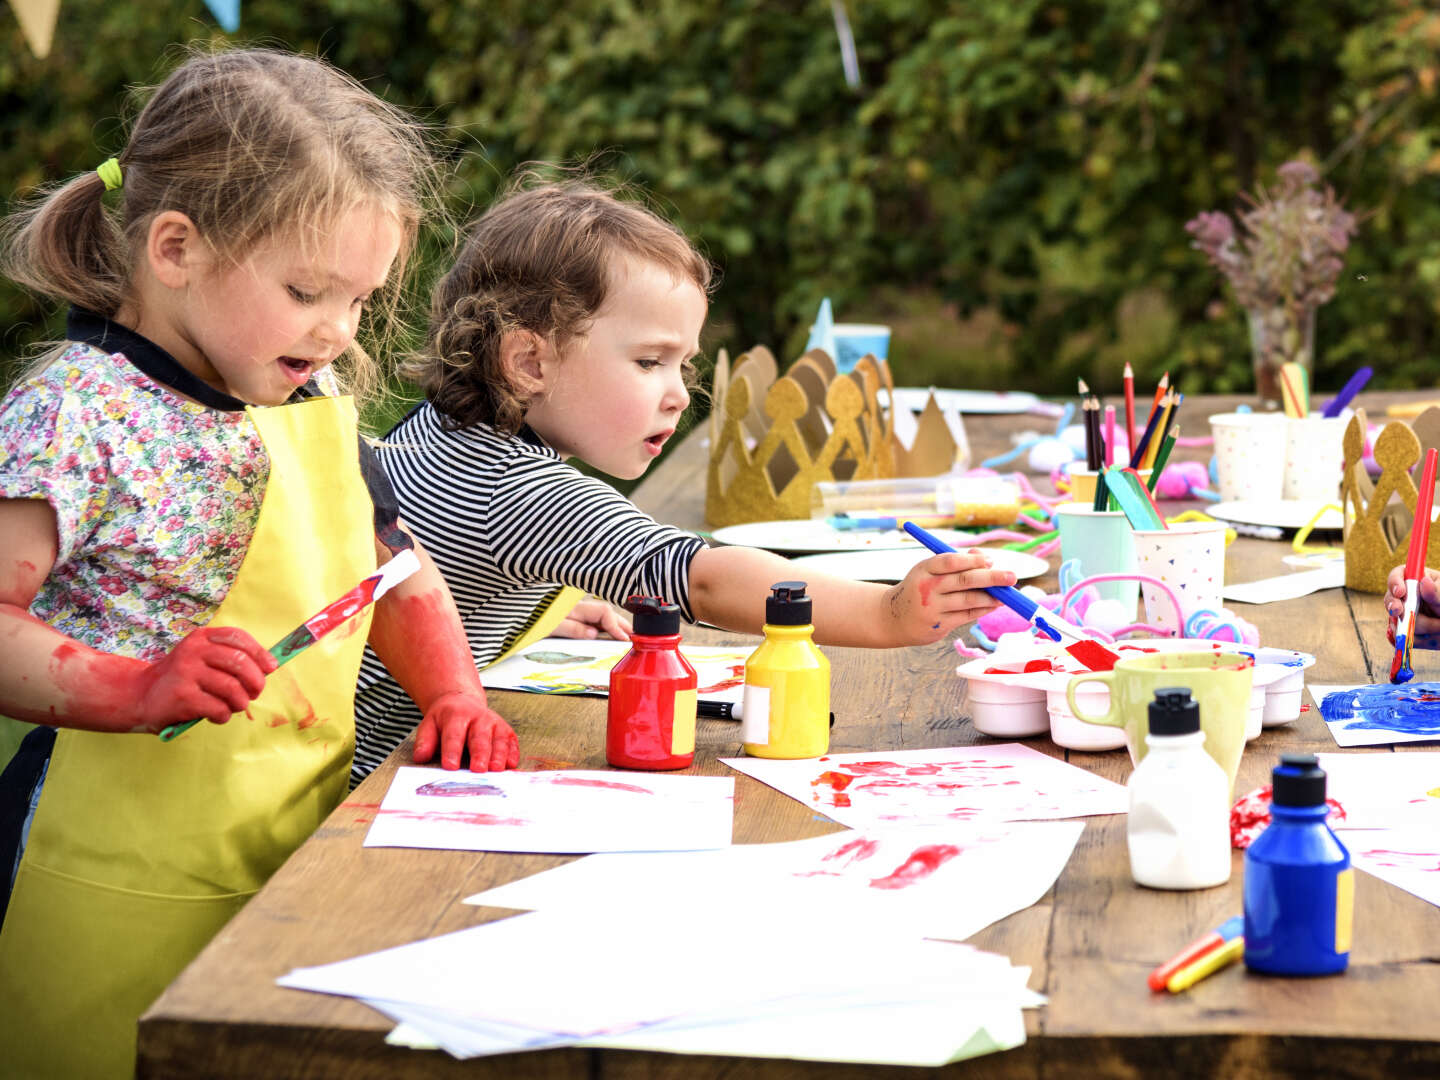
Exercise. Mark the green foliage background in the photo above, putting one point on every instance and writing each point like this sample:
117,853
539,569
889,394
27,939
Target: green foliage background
1008,187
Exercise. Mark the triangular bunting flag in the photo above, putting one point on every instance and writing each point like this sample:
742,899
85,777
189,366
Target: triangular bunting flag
226,12
37,23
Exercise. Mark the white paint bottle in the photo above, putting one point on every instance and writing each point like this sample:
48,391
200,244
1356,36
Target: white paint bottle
1179,824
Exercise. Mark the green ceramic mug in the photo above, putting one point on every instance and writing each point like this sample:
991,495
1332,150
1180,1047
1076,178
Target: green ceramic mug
1219,682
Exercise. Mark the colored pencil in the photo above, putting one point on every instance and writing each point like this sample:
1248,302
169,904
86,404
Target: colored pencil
1161,387
1129,406
1109,434
1167,445
1228,930
1137,452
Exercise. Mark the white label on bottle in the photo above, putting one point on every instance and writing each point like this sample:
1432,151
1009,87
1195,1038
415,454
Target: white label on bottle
755,715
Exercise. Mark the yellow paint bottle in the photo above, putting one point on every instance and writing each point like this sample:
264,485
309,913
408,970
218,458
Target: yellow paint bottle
786,712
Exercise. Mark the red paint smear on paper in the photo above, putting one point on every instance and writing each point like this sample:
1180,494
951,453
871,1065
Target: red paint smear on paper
923,862
737,677
1405,860
857,850
841,801
453,817
837,781
611,785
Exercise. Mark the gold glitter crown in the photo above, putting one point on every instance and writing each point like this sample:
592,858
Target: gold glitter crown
1380,514
773,438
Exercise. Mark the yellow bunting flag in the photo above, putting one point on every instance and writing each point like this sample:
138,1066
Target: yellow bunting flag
37,23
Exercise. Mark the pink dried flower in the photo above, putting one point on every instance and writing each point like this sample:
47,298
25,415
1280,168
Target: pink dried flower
1288,249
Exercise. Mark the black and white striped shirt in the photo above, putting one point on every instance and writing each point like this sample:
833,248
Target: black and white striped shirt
508,523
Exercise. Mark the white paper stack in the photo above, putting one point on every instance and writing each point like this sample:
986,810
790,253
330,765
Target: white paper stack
803,986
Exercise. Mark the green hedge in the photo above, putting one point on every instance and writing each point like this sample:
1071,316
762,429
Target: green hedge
1008,185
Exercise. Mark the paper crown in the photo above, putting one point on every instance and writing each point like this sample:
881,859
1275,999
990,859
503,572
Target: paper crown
773,438
1380,514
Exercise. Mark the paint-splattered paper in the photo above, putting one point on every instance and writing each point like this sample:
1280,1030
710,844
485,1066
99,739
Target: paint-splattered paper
1381,714
560,811
1381,790
885,789
566,666
1409,859
945,883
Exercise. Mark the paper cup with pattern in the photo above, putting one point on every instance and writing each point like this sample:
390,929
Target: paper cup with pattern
1189,557
1102,544
1250,455
1314,457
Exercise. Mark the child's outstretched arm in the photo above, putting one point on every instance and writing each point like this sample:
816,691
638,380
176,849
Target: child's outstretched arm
1427,615
418,635
48,678
728,587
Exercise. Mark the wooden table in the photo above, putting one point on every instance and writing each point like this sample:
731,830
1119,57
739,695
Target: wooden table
1091,941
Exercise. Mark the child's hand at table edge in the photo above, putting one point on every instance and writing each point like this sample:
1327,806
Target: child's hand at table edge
943,592
1427,615
590,619
460,721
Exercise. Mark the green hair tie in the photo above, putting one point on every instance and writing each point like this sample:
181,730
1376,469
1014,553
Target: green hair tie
110,173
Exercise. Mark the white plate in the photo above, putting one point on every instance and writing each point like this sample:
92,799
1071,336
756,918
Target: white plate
804,536
1282,513
964,401
894,564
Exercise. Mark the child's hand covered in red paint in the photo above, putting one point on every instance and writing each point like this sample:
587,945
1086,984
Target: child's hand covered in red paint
943,592
1427,615
212,673
460,721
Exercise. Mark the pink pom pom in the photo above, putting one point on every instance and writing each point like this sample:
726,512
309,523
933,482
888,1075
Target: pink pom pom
1177,481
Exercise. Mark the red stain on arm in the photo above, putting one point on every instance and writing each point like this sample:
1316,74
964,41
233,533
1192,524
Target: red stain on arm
927,586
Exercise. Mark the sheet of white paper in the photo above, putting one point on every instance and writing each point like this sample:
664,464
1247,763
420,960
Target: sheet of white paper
563,811
542,971
880,789
1408,712
569,666
1287,586
1409,858
1383,790
943,882
980,1016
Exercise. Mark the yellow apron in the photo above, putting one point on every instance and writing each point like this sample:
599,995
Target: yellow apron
140,850
549,617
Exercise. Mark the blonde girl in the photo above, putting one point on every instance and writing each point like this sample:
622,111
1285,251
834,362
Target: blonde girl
566,329
181,486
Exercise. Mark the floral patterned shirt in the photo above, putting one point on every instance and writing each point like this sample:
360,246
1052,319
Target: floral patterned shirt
155,499
155,495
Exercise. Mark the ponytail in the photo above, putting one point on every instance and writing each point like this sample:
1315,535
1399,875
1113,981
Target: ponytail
66,245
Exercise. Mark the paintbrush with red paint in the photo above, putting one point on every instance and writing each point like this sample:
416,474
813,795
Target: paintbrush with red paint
1087,650
328,618
1400,670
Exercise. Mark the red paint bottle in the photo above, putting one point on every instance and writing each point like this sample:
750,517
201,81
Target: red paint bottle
652,693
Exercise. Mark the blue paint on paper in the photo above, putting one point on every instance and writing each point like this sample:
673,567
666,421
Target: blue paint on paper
1408,710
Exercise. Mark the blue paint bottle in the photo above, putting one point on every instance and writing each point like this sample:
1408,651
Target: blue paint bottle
1299,887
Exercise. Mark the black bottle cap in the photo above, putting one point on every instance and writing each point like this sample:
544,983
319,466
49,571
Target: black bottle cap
653,617
1174,712
787,604
1298,781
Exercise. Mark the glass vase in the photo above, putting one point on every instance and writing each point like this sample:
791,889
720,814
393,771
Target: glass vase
1278,336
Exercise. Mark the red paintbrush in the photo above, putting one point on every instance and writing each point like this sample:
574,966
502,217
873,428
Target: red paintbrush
1400,670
